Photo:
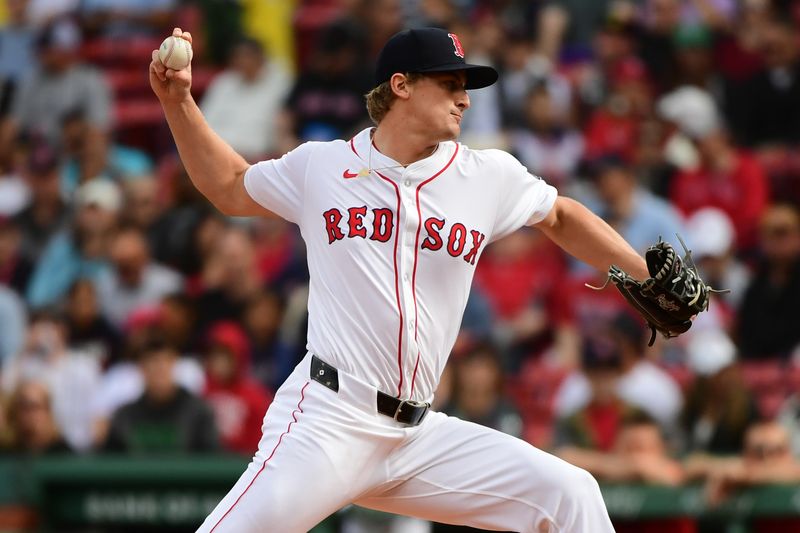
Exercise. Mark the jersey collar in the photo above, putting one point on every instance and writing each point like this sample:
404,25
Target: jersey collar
360,144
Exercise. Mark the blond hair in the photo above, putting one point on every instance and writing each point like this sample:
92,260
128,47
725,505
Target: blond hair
381,98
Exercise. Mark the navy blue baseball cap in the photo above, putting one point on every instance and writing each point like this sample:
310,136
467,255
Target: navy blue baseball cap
429,50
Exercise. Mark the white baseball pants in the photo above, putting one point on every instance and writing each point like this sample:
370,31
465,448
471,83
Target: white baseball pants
322,450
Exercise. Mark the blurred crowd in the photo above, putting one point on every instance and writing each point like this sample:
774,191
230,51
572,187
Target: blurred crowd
135,318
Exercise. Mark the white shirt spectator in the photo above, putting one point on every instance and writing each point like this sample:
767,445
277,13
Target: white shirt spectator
118,300
645,386
123,383
243,113
40,12
71,377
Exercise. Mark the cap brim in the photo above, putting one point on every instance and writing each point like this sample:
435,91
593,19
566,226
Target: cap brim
478,76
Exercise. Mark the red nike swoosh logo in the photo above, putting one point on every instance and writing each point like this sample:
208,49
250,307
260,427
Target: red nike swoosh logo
347,174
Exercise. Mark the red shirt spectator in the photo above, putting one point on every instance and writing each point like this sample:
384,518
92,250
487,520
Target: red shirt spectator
518,271
741,191
238,402
614,128
588,310
608,133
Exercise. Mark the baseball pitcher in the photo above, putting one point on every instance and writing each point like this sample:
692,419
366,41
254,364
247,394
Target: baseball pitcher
395,221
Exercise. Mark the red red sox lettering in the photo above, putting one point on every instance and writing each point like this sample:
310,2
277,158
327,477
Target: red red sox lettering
382,227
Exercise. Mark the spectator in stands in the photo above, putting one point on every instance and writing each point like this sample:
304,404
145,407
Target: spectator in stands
643,384
710,235
47,213
81,250
718,405
87,329
166,418
134,280
125,19
613,47
58,86
384,18
525,67
44,12
71,376
614,127
273,358
765,459
518,277
30,418
597,425
478,392
766,113
230,278
124,382
237,400
694,59
241,104
280,254
636,213
327,100
768,325
584,21
546,144
15,268
726,177
88,156
13,323
175,233
639,455
660,21
17,54
142,206
177,323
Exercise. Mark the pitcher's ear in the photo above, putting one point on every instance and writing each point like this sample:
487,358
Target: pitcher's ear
400,86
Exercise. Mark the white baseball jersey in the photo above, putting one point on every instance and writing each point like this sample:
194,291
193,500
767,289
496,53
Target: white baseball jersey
392,253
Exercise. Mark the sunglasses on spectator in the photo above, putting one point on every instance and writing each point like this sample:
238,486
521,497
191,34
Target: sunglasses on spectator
765,451
778,232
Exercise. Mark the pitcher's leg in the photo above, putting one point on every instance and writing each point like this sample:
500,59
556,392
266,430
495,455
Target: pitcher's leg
291,484
461,473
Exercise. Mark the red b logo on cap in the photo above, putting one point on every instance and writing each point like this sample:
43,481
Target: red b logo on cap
459,50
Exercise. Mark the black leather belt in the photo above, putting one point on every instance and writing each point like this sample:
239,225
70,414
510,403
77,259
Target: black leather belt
410,412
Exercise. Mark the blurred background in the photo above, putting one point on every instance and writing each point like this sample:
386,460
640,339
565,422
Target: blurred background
143,334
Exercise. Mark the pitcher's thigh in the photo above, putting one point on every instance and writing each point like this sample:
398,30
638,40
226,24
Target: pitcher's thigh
290,485
461,473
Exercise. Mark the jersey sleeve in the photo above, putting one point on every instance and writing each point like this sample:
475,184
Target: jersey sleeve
279,184
525,199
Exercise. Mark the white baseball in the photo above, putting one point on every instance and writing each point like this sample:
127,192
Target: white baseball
175,53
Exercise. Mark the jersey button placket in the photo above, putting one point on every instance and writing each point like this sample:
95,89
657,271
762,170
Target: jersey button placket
409,234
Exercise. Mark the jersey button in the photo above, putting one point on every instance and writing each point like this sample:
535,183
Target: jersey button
408,183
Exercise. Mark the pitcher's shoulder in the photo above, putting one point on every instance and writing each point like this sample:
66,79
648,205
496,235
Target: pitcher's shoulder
487,157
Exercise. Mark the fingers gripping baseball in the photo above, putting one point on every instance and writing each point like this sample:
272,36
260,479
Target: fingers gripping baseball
171,69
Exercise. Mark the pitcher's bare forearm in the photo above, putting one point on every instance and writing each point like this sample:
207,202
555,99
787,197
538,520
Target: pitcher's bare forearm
213,166
589,238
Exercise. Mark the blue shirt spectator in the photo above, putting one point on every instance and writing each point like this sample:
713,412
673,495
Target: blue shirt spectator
13,320
80,253
637,214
